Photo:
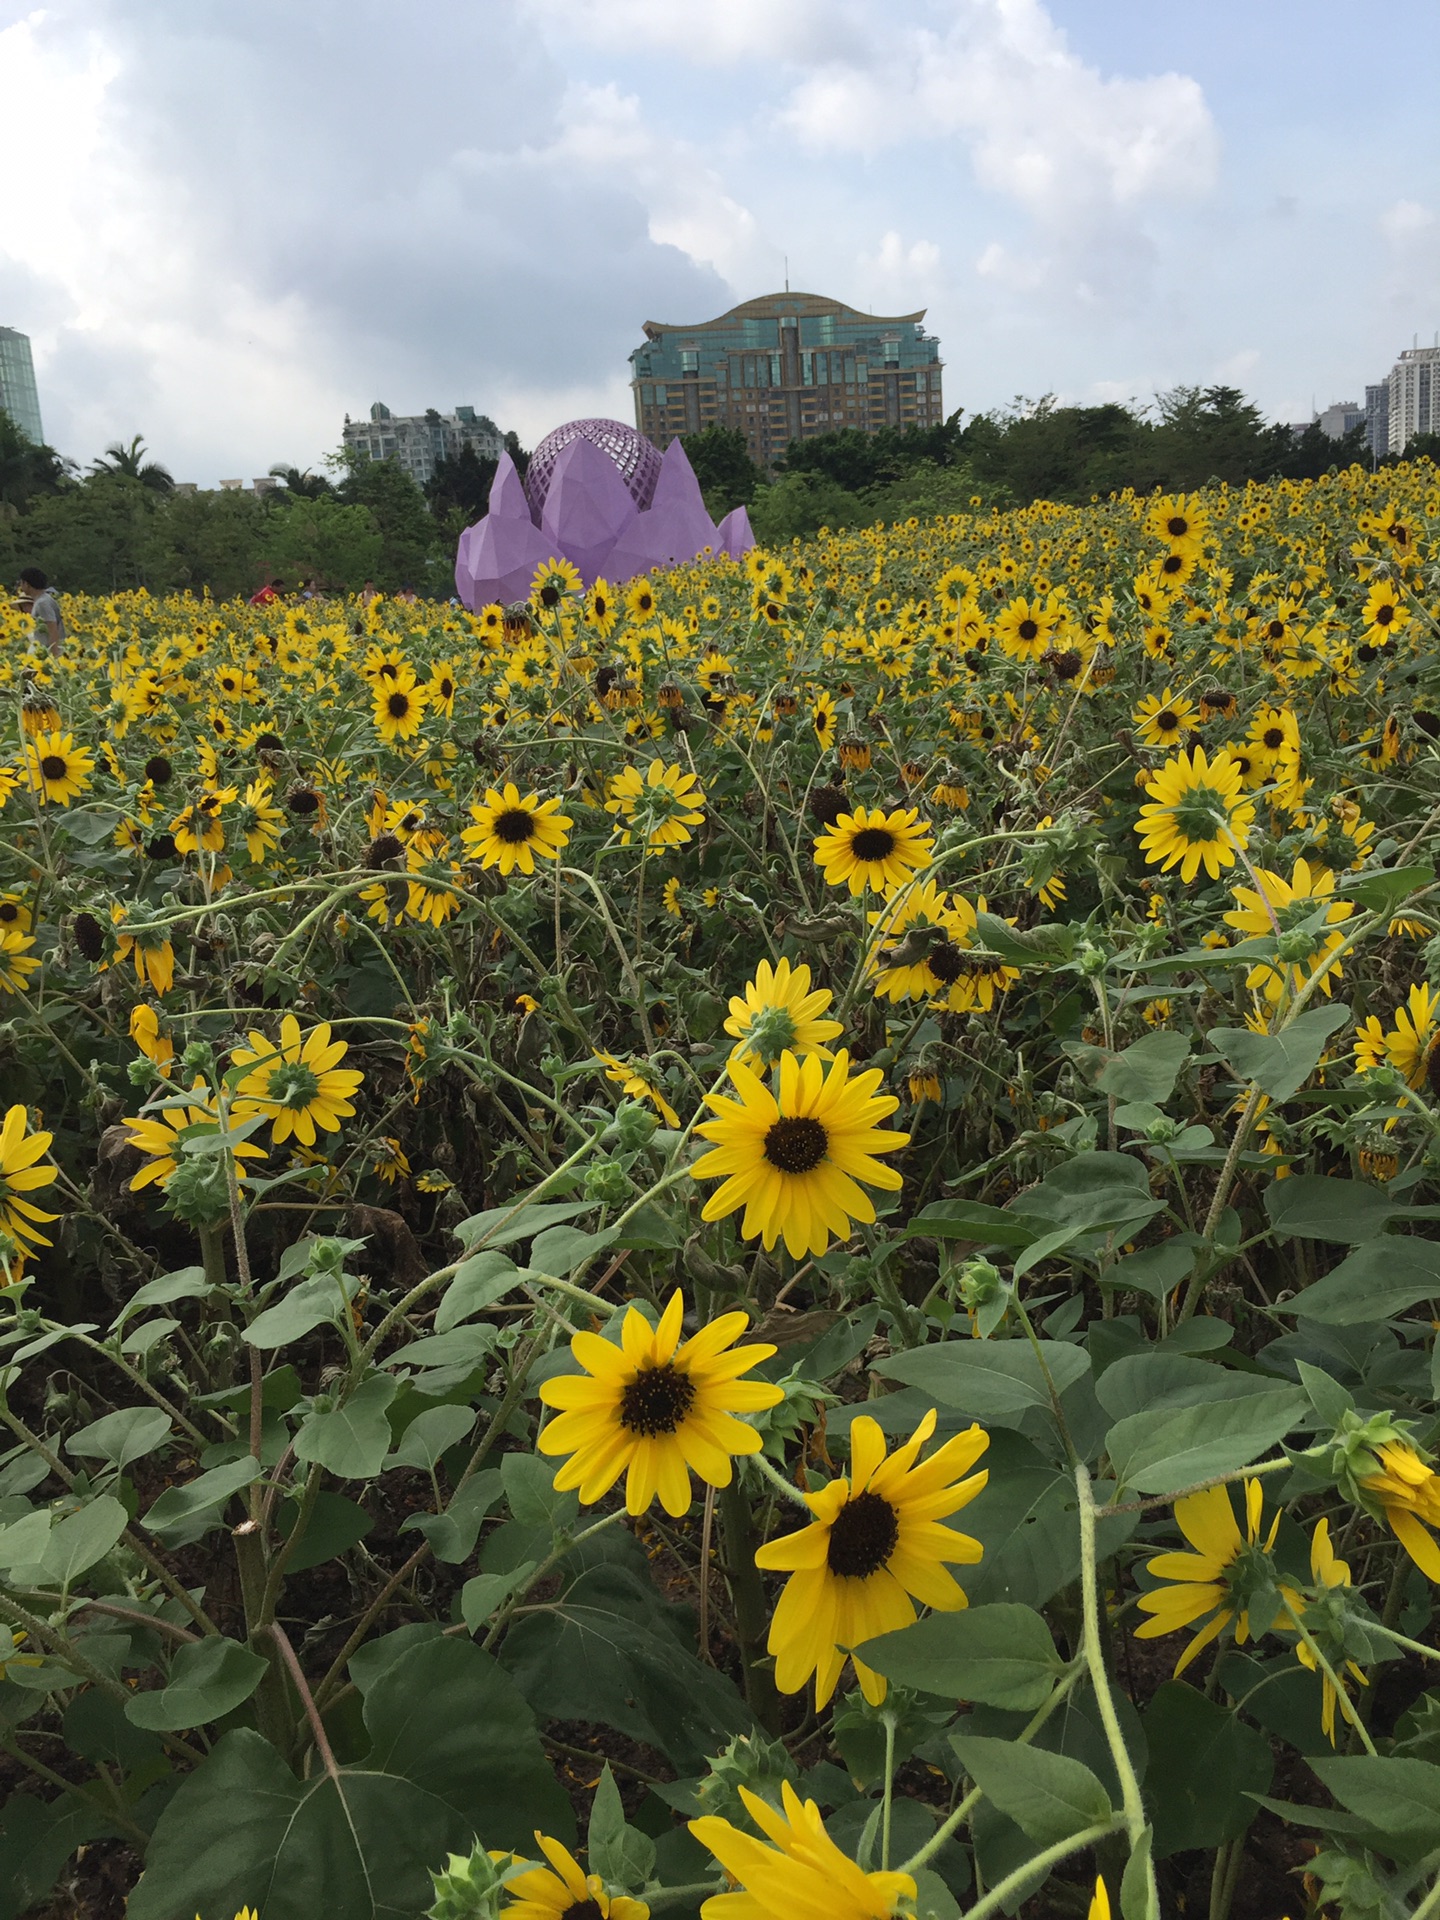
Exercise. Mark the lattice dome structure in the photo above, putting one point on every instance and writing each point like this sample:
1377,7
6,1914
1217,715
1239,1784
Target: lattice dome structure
636,461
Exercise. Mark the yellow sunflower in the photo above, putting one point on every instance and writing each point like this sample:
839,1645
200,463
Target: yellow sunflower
1385,613
661,805
872,848
777,1013
543,1894
654,1409
793,1159
151,951
639,1082
555,580
510,829
20,1151
261,821
1328,1571
431,879
161,1135
399,706
1197,815
803,1876
1024,627
1409,1044
298,1085
1213,1579
16,961
56,768
1288,904
876,1545
1161,719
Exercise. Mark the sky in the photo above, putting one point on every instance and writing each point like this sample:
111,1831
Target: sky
228,226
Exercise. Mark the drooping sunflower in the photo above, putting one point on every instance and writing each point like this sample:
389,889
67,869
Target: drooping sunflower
511,828
639,1082
793,1158
298,1085
1214,1579
161,1134
431,879
777,1013
1161,719
1197,815
151,951
873,848
20,1175
803,1876
1409,1046
1328,1571
654,1409
399,706
875,1546
1407,1491
57,770
157,1047
1289,904
661,805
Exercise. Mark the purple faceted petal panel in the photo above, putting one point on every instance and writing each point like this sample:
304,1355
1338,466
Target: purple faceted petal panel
498,556
607,522
632,455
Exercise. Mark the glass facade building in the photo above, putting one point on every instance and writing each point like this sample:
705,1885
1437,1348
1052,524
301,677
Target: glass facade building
786,367
19,396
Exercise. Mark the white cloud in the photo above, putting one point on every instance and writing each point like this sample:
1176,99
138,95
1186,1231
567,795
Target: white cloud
708,33
1405,221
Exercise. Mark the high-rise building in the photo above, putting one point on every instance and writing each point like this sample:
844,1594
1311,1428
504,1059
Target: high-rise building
1339,418
416,441
1414,403
19,396
1377,418
785,367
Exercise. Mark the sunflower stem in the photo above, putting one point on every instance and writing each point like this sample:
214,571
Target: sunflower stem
999,1895
747,1594
778,1480
889,1718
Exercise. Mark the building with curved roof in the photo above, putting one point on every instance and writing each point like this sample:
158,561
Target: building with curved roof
784,367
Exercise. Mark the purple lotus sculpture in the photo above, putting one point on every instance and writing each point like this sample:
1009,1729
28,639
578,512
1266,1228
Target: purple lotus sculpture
599,496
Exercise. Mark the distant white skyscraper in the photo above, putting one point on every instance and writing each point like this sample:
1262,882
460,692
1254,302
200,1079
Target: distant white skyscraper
1414,395
1340,418
1377,418
19,395
416,441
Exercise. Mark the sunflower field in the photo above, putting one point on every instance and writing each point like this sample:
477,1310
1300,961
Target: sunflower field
757,1244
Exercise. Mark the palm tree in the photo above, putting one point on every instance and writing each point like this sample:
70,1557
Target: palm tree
306,485
130,462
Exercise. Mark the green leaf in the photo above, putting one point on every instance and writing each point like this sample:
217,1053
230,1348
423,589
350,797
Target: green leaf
120,1438
1325,1394
431,1434
1382,1278
1002,1655
1204,1764
1047,1795
1034,946
312,1303
479,1282
530,1491
559,1250
1165,1382
351,1440
1388,889
969,1220
1136,1901
991,1380
335,1525
454,1752
37,1837
453,1533
462,1348
1396,1795
182,1514
503,1226
1099,1192
610,1650
620,1854
1279,1063
1147,1069
1163,1451
1315,1206
1155,1271
207,1681
480,1597
23,1541
82,1538
189,1283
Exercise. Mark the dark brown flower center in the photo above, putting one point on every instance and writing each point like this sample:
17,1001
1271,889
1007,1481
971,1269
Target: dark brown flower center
1173,563
54,766
862,1536
796,1144
1166,719
1384,615
1177,526
873,843
947,963
1027,630
655,1402
583,1910
1274,738
515,826
385,846
398,705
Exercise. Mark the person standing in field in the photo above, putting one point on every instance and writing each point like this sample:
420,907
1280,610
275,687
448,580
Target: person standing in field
37,599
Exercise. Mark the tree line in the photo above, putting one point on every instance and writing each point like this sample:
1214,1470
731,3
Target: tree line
123,523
